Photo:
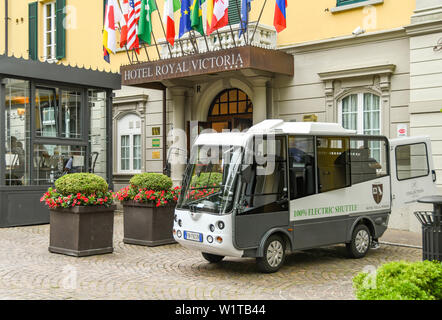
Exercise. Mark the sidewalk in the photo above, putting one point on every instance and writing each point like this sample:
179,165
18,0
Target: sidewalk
407,238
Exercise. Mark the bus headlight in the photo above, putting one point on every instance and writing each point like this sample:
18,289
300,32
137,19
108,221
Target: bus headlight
175,217
180,223
178,233
221,225
212,228
209,239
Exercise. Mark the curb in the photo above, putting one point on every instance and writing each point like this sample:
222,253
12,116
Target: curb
400,245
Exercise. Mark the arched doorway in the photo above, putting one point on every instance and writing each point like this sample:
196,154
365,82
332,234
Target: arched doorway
231,109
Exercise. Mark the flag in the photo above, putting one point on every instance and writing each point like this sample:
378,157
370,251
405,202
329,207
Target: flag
111,17
132,34
124,22
245,9
196,16
185,23
280,20
106,55
145,22
209,15
220,15
170,6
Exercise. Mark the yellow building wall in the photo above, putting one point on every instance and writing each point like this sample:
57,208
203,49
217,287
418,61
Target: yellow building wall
307,20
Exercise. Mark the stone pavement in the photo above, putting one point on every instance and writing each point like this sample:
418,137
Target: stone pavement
29,271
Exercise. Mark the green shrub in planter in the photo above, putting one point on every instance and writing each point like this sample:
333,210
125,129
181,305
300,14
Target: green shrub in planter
401,281
86,183
207,180
81,215
151,181
78,189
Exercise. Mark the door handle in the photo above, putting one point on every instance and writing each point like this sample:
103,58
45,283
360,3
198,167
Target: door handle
433,172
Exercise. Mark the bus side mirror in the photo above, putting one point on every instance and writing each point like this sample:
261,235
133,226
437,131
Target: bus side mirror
246,173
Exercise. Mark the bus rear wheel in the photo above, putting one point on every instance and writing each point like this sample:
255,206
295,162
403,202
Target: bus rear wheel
274,255
360,242
212,258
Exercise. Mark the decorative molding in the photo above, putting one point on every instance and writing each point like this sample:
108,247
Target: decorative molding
362,71
130,99
346,41
423,28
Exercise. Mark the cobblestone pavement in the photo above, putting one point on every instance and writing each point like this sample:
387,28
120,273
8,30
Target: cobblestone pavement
29,271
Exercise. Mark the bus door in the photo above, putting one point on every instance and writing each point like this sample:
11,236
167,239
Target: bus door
412,172
264,197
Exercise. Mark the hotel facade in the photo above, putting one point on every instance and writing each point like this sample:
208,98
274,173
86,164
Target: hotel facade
375,66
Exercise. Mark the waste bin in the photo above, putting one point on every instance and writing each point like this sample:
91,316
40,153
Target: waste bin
431,229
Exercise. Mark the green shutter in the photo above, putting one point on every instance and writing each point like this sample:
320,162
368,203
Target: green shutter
345,2
33,30
234,11
60,29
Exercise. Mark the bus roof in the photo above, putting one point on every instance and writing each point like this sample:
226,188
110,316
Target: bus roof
273,126
307,128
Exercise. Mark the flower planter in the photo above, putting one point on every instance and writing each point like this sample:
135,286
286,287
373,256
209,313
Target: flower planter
82,231
148,225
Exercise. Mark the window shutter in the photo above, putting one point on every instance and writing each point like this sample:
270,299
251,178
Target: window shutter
234,11
33,30
60,30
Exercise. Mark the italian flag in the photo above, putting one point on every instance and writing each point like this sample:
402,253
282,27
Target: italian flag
170,6
217,14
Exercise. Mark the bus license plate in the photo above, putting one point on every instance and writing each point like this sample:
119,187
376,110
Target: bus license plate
193,236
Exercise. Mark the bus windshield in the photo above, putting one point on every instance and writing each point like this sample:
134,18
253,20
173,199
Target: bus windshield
210,180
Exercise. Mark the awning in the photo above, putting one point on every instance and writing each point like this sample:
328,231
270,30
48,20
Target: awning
30,69
152,74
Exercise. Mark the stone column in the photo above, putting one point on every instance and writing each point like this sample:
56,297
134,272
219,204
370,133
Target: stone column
177,137
259,98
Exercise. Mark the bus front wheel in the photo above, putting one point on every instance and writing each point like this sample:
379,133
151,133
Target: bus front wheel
274,255
212,258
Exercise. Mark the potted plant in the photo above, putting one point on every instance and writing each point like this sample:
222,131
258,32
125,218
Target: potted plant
148,206
81,215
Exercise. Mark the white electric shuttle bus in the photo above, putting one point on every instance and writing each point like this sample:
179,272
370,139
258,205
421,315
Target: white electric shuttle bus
287,186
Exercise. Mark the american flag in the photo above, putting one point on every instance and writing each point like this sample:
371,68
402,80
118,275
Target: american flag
134,16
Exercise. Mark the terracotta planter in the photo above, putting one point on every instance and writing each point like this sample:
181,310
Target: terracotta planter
82,231
148,225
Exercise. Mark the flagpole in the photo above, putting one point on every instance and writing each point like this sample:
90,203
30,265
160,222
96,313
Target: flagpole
147,54
162,27
233,36
156,46
241,25
119,25
194,39
259,19
219,38
181,45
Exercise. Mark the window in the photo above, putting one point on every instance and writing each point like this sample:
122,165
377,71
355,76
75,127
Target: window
51,161
17,107
234,12
129,144
231,109
362,112
345,2
58,113
333,163
49,31
412,161
368,158
302,167
268,184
